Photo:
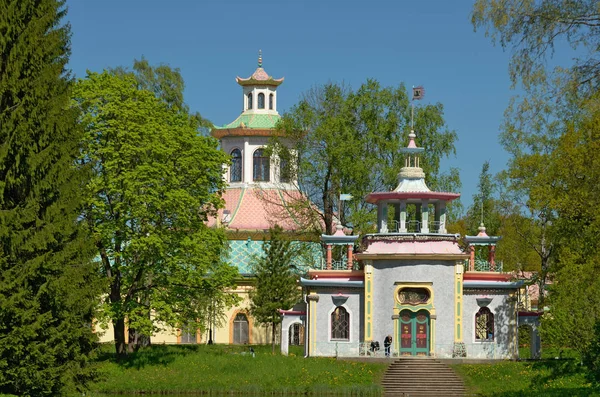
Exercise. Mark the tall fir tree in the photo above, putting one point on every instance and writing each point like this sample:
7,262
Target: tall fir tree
276,286
47,293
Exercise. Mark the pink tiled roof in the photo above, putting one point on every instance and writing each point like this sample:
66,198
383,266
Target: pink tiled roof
414,247
259,209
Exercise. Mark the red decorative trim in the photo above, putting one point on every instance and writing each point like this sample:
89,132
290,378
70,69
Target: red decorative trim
487,276
530,314
375,197
292,312
350,275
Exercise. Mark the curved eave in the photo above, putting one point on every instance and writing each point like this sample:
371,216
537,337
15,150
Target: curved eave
347,274
412,150
482,240
384,256
331,283
327,239
252,81
373,198
493,284
486,276
220,133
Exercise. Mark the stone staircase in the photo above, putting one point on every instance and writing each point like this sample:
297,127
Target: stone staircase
421,377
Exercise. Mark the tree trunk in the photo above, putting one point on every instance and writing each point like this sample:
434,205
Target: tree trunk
273,336
119,332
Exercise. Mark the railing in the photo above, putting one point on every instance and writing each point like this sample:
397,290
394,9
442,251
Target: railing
411,227
481,265
337,265
474,350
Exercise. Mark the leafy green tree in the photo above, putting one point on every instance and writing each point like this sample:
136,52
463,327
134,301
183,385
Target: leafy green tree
574,297
276,286
348,142
533,28
485,205
48,288
155,182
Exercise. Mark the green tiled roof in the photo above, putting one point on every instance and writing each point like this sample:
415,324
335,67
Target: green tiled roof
253,121
243,252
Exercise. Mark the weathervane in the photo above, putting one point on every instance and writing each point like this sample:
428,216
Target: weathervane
418,94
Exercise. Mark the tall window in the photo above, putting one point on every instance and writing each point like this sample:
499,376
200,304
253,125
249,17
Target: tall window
484,324
271,101
340,324
240,329
262,168
284,171
235,172
296,335
261,101
250,101
188,334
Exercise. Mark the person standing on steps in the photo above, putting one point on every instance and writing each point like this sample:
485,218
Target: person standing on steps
387,343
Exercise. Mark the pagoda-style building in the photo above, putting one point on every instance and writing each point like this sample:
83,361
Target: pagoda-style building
258,196
412,285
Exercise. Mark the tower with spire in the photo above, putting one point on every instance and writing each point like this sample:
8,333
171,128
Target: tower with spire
258,195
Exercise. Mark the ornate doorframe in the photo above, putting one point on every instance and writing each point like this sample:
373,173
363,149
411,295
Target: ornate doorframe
426,303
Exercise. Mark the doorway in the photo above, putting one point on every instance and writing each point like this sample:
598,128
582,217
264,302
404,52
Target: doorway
414,333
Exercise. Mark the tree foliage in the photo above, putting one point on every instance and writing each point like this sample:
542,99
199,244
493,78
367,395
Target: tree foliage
276,286
575,196
48,290
534,28
348,142
155,182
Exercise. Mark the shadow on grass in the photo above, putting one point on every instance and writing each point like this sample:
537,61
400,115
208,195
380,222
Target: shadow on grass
551,370
570,392
157,355
163,355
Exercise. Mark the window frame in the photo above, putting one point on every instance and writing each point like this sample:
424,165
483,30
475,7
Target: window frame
249,96
489,325
335,325
260,101
261,166
234,165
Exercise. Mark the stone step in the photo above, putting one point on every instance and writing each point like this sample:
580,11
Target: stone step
421,377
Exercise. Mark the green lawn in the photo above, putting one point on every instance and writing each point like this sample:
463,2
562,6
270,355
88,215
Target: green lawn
221,368
557,374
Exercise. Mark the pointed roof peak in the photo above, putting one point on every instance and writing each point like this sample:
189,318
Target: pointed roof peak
260,76
482,232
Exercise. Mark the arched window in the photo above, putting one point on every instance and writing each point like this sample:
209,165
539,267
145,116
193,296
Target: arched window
262,168
340,324
250,101
235,172
296,335
484,325
271,101
240,329
261,101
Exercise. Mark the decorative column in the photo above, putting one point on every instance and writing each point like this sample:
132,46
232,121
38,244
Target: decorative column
312,299
492,258
328,257
425,217
459,349
442,217
368,301
402,228
471,258
349,256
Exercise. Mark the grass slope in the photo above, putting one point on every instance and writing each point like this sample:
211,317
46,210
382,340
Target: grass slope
219,368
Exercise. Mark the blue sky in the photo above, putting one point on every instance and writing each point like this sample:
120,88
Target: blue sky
429,43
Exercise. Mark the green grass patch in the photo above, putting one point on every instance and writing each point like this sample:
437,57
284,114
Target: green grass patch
225,369
559,373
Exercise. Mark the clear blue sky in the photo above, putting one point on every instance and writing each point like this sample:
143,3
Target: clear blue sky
429,43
